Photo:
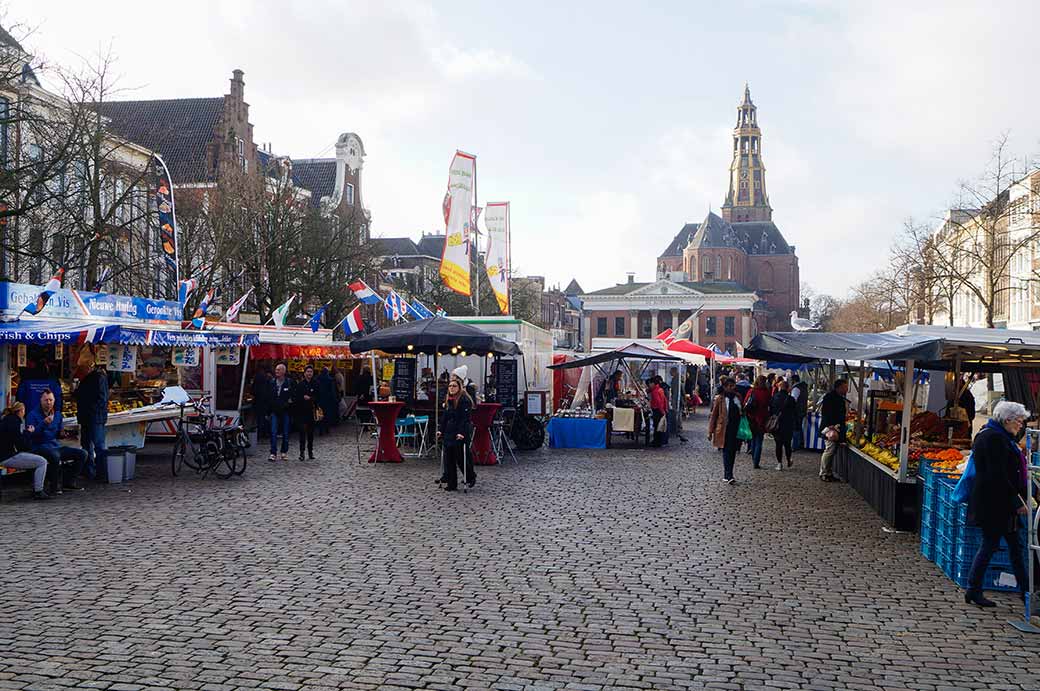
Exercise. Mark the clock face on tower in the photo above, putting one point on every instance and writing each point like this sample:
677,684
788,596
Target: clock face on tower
743,175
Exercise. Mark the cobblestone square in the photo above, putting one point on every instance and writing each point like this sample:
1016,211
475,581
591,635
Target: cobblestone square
620,569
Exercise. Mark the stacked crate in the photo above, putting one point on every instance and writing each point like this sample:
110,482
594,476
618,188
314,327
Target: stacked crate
951,543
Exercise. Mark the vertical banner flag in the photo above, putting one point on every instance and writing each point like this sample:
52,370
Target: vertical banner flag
496,218
167,216
458,214
352,323
53,286
236,307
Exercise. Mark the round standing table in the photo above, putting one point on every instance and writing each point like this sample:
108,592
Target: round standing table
483,450
386,445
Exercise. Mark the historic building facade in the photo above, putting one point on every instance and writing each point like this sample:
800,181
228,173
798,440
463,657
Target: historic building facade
733,272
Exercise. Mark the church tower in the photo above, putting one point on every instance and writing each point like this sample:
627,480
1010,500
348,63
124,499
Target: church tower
747,199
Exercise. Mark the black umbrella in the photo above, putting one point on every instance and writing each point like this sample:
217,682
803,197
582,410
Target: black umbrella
434,335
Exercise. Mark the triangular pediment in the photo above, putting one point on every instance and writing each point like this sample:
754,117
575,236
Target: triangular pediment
665,287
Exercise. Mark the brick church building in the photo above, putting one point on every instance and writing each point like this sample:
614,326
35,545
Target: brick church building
733,272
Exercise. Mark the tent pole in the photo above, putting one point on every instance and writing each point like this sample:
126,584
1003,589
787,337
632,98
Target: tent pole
242,384
904,431
375,379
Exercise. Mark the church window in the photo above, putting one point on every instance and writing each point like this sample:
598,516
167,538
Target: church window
705,268
718,267
772,248
729,274
350,194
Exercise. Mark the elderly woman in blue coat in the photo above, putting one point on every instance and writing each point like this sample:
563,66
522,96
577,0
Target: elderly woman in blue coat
998,497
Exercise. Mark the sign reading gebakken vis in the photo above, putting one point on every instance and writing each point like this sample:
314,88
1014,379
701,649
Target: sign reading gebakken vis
80,303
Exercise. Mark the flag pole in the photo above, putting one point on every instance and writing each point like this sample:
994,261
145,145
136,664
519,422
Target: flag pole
476,236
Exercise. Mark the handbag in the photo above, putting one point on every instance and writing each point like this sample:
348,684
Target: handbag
319,414
772,423
962,492
744,430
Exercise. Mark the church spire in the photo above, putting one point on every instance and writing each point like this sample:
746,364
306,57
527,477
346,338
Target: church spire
747,199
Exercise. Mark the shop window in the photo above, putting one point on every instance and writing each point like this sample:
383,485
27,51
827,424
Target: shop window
709,326
730,326
619,326
601,326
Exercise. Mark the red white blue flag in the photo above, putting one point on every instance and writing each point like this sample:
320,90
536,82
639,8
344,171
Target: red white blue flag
365,294
352,323
236,307
198,320
53,286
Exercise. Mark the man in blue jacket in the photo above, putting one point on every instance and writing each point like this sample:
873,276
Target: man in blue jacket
45,422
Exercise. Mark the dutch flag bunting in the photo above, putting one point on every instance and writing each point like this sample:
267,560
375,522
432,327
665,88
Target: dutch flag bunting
364,293
352,323
53,286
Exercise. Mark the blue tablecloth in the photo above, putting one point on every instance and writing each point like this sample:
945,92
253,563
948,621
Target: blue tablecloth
577,433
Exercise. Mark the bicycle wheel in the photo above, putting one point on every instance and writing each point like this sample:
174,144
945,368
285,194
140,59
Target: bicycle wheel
239,462
180,450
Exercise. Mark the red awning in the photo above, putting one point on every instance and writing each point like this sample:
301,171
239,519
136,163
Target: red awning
273,351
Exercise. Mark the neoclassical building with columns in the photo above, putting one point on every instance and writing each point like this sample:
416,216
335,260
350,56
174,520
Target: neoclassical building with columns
734,270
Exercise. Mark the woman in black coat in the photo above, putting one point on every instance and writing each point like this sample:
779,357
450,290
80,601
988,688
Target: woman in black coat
456,429
304,399
785,409
998,496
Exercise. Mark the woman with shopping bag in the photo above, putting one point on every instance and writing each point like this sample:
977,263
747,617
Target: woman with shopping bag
724,427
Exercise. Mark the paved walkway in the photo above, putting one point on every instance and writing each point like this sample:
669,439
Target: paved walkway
573,570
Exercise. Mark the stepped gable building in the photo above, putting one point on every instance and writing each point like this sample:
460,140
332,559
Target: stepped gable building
731,276
742,243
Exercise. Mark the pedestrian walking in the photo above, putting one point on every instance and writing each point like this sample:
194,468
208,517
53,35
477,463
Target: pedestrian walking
756,408
723,424
800,394
998,496
456,429
280,404
781,419
305,400
832,424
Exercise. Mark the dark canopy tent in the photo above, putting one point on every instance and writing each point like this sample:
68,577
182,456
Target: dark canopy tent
434,335
812,346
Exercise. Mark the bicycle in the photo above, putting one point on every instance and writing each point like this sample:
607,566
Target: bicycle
205,448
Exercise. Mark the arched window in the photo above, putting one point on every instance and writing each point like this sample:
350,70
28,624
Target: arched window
705,268
765,241
718,267
729,274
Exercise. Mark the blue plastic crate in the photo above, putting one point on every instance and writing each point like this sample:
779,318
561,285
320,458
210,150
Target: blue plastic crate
1000,578
928,543
952,513
929,520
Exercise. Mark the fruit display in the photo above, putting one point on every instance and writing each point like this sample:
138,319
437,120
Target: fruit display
120,406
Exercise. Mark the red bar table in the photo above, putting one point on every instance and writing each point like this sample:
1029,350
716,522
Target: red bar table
483,451
386,446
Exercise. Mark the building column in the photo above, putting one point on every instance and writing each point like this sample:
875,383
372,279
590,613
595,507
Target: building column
587,333
654,330
675,320
633,324
745,327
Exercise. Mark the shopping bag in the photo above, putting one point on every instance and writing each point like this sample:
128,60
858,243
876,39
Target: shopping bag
962,492
772,423
662,424
744,431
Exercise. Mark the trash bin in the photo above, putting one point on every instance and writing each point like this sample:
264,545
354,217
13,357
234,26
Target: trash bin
116,459
129,463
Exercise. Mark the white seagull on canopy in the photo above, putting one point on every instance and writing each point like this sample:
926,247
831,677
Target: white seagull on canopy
799,324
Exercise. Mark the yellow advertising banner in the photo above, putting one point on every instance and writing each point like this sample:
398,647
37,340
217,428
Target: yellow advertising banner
458,219
496,218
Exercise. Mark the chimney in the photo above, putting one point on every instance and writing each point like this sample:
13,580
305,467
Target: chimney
238,87
631,277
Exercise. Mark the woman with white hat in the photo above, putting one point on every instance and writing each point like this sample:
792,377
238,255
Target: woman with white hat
455,431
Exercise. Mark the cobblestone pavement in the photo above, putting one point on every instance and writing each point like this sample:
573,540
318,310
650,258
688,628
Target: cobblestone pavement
621,569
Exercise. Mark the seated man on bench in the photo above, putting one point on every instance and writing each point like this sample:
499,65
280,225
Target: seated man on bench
45,422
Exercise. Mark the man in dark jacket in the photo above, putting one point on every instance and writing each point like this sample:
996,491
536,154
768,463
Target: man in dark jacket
832,414
46,423
305,397
280,401
92,414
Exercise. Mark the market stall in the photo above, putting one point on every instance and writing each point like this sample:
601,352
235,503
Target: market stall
591,420
890,430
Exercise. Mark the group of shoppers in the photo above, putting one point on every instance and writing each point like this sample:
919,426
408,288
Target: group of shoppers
772,405
29,437
283,403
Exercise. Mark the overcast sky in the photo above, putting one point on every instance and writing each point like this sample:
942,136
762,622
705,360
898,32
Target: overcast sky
606,124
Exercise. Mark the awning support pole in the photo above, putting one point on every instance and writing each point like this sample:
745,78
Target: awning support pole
242,384
375,379
904,427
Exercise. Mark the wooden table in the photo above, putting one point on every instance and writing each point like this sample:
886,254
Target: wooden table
482,417
386,444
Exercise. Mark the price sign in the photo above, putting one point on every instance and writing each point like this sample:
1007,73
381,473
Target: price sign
185,357
230,355
404,379
121,358
506,383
